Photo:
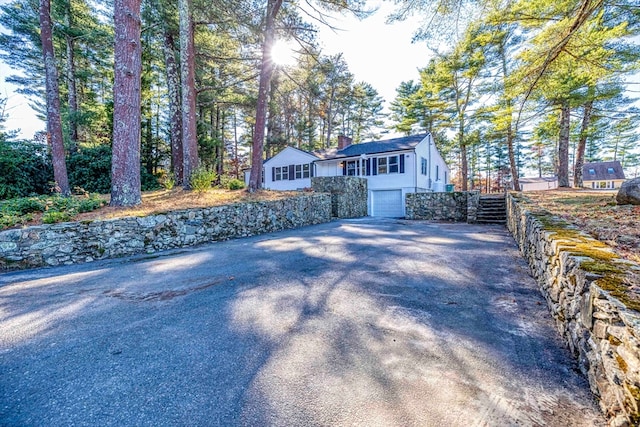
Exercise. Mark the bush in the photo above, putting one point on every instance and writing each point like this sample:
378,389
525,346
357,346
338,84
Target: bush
26,169
54,208
201,179
90,204
235,184
90,169
27,205
148,181
167,181
55,216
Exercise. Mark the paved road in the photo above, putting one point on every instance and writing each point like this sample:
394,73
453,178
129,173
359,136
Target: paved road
362,322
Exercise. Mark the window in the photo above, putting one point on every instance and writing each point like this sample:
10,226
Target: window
437,172
423,163
603,184
299,171
592,171
610,170
285,173
278,174
306,170
393,164
382,165
352,168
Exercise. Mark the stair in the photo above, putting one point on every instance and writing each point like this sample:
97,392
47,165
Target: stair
492,209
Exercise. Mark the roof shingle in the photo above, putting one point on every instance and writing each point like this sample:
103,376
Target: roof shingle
602,171
374,147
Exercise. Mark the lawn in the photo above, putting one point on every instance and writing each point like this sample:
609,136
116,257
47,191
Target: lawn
598,214
38,210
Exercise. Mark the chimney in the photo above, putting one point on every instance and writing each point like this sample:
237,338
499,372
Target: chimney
344,141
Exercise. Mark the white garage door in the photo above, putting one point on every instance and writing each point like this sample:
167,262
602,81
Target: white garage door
387,203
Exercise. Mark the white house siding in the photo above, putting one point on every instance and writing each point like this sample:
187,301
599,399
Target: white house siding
438,173
403,182
603,184
285,159
387,185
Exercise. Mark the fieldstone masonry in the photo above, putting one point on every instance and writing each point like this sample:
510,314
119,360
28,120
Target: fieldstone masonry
590,293
457,206
348,194
71,243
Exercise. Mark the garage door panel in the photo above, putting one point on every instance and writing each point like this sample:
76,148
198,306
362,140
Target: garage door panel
387,203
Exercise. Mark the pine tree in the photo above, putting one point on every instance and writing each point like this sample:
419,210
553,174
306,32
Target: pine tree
125,163
54,123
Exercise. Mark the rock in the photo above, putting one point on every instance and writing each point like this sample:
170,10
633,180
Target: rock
629,193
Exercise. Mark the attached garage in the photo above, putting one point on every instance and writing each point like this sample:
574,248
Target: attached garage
387,203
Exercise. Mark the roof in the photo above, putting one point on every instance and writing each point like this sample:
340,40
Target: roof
602,171
373,147
290,148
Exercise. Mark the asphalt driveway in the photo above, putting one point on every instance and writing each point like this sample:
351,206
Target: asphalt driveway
362,322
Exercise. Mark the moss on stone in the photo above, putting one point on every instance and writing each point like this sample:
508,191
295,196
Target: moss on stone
622,364
600,267
613,340
633,403
601,257
616,287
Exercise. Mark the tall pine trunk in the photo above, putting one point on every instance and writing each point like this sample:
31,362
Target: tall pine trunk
125,163
54,123
71,80
582,144
266,71
464,162
563,145
188,86
515,179
175,113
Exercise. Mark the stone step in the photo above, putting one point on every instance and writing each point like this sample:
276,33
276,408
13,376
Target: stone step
492,209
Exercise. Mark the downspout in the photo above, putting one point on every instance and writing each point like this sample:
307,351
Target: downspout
429,165
415,172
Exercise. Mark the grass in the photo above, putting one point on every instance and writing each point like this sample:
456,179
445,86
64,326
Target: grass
567,213
51,209
597,214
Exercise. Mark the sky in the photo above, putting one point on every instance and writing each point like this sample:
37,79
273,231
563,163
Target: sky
379,54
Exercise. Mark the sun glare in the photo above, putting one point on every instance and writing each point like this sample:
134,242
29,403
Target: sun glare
282,53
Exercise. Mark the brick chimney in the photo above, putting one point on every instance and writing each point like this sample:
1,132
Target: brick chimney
344,141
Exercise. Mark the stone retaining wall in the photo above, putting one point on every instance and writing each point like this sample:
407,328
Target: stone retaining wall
589,291
348,194
71,243
453,206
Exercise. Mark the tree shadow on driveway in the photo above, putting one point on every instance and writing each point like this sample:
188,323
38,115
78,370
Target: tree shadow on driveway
353,322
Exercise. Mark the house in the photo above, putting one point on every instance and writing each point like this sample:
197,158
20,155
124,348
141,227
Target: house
290,169
392,167
537,184
602,175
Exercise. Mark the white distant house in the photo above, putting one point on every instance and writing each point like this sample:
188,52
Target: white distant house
392,167
537,184
602,175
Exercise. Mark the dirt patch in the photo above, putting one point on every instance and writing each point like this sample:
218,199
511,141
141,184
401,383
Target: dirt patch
162,201
598,214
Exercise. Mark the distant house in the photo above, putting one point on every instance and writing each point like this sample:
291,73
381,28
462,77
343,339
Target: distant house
602,175
392,167
538,184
